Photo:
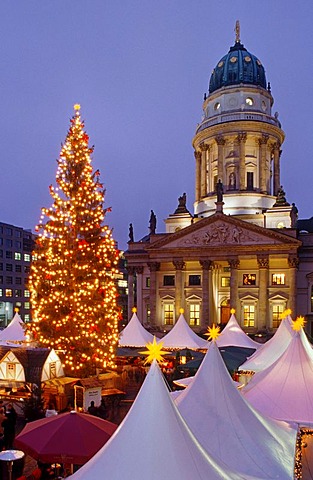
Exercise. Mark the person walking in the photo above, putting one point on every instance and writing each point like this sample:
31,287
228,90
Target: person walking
8,425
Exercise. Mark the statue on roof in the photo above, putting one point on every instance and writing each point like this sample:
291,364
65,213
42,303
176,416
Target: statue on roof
219,191
131,233
182,204
237,30
293,216
281,198
152,223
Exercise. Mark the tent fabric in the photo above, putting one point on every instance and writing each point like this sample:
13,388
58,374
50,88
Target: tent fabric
233,335
230,429
14,332
153,442
271,350
134,334
284,389
182,336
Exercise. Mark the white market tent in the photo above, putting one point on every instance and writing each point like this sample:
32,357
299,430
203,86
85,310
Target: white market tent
153,442
134,334
182,336
233,335
14,333
284,390
230,429
271,350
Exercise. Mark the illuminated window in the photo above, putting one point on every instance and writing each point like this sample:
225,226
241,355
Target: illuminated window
26,257
225,281
248,315
168,312
148,313
194,280
35,256
122,283
249,101
249,279
53,370
27,317
276,315
169,280
147,282
8,292
27,305
1,292
278,279
17,256
26,293
194,314
217,106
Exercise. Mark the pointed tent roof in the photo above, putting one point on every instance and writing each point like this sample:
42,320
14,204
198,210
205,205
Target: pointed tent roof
272,349
230,429
14,332
134,334
182,336
233,335
153,441
284,389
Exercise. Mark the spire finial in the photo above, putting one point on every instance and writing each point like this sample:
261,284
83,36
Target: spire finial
237,30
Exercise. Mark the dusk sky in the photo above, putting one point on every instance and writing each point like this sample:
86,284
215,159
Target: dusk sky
139,69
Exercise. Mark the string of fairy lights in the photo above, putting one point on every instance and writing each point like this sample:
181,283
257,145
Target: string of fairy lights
73,292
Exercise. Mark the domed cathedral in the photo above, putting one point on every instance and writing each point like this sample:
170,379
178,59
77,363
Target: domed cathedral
240,247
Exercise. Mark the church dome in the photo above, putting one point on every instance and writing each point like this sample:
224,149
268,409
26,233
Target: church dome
238,66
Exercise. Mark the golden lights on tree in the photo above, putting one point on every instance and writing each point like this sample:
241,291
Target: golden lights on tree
73,291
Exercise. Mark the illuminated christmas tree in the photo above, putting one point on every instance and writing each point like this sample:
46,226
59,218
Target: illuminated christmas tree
73,292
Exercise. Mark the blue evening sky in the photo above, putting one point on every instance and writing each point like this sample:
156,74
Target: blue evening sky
139,69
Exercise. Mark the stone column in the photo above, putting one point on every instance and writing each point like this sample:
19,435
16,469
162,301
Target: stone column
233,297
130,281
276,181
263,171
205,315
204,184
293,263
179,265
263,317
154,267
139,285
241,139
198,175
220,159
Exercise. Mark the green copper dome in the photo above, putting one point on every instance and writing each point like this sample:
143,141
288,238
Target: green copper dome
238,66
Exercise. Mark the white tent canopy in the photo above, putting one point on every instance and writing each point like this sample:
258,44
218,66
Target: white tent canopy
233,335
134,334
284,389
14,333
271,350
153,442
230,429
182,336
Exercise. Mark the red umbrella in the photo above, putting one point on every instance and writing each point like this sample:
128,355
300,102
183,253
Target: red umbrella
67,438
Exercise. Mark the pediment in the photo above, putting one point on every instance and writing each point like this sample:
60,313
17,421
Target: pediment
224,230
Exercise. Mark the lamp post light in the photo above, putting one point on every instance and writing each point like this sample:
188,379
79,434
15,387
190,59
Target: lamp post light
10,456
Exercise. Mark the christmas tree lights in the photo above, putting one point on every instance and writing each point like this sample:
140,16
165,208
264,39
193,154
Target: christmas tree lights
73,291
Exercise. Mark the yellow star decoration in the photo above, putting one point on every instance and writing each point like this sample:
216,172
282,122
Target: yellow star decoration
134,309
76,106
232,311
213,332
154,351
298,323
285,314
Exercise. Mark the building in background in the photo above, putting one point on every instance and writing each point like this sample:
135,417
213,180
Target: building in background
241,247
16,245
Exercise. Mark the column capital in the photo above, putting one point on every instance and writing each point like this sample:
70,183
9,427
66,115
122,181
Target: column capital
179,264
197,155
263,140
233,263
263,261
206,264
204,147
275,147
220,140
154,266
130,269
293,261
139,269
242,137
